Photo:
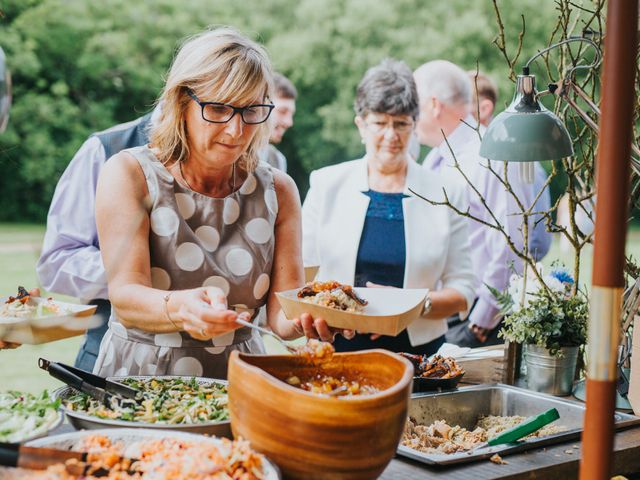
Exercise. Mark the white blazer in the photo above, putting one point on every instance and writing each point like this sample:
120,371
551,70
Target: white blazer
436,238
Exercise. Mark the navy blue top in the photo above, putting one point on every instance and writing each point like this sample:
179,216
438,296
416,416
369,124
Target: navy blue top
382,251
381,260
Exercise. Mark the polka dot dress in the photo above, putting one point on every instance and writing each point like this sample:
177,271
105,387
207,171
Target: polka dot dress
195,241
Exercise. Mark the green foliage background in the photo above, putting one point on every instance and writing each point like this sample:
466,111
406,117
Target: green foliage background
79,66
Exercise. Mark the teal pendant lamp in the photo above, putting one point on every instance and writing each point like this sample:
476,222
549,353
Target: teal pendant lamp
526,131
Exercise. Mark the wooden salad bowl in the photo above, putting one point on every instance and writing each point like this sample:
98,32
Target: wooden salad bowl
311,436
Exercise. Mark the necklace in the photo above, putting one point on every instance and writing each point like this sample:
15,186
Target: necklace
233,177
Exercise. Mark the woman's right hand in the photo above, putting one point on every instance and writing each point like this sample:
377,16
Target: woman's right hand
204,313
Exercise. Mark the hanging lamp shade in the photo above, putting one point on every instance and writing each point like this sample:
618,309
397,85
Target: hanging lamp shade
526,131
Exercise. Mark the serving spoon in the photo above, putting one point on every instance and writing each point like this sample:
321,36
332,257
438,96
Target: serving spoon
264,331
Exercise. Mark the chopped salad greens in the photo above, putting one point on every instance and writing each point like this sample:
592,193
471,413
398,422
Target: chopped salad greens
23,415
169,401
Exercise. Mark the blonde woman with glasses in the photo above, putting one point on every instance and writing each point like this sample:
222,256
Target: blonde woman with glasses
363,227
194,232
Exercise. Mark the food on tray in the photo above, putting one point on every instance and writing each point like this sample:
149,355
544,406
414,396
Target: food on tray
316,350
440,437
333,294
327,385
23,306
437,367
170,401
166,458
23,415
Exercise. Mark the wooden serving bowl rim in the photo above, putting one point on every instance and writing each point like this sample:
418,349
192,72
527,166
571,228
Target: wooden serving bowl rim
397,387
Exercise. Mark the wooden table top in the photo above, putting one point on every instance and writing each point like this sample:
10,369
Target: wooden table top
556,462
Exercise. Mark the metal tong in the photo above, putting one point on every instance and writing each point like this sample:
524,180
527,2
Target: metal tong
76,463
103,390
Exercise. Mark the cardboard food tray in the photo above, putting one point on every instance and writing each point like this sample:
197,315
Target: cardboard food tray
389,311
310,272
34,331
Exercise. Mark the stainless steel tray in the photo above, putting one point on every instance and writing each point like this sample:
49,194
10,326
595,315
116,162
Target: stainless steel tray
465,406
81,420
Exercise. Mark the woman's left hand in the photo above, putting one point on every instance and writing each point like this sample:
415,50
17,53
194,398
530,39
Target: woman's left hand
318,328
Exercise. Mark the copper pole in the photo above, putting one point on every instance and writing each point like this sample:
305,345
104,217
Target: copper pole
612,187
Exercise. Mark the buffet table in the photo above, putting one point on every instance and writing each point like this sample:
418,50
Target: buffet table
554,462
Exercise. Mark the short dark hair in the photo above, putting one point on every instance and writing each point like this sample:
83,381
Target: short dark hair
284,87
387,88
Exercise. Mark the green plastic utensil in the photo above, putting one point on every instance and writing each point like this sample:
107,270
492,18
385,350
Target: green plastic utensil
527,427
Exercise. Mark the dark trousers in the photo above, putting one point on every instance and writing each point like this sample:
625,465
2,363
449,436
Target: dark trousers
399,343
88,353
460,334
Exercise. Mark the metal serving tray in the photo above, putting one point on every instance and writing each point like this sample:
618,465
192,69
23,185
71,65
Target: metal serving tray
82,421
465,406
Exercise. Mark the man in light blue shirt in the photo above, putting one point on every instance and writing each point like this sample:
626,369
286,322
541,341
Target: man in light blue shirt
445,112
483,103
70,261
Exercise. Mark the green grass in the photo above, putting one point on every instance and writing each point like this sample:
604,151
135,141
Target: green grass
19,250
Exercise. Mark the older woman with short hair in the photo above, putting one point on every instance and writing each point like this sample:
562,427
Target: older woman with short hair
194,232
363,226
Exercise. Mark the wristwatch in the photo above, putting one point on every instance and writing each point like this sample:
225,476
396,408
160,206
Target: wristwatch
426,308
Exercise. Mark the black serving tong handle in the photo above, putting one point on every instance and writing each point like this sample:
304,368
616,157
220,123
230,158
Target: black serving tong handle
103,390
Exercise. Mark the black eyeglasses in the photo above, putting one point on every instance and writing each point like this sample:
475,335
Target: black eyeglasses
215,112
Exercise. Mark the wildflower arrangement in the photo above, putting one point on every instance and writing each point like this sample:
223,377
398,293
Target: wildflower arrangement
551,314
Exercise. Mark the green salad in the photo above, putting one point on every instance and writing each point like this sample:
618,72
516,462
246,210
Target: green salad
170,401
23,415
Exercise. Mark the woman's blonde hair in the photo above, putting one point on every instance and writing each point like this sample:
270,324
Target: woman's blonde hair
222,65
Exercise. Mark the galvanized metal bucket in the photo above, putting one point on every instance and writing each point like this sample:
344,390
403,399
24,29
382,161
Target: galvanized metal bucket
550,374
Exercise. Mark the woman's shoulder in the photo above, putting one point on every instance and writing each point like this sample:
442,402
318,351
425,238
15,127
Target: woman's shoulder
433,185
336,172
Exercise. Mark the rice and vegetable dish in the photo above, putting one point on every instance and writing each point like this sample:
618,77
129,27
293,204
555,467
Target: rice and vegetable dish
167,401
167,458
23,415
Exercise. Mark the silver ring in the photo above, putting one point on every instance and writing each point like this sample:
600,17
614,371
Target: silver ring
202,332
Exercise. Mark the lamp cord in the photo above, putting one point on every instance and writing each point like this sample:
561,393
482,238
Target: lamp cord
595,63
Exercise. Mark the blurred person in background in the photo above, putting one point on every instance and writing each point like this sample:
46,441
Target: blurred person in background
363,227
284,100
70,261
194,231
483,104
445,94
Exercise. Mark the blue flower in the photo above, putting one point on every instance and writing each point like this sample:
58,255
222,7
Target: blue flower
562,275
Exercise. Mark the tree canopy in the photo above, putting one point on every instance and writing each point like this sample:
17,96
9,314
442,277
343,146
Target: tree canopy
80,66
